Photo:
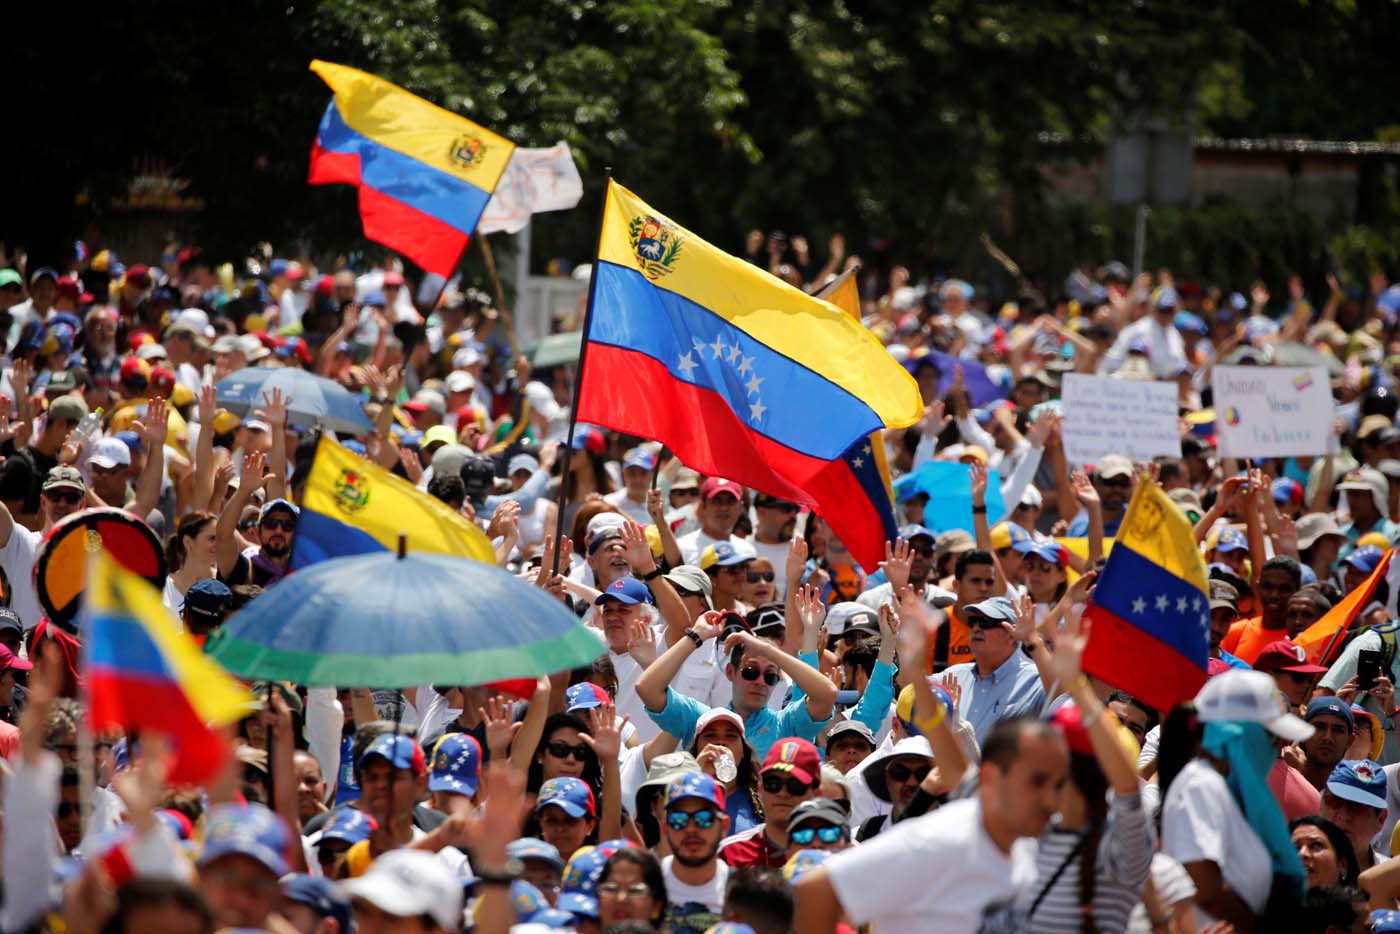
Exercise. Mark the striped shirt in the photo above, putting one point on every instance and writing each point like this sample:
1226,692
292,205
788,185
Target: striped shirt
1121,870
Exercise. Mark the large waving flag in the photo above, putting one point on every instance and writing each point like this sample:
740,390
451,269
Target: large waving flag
353,507
1150,609
143,673
737,372
424,173
1321,639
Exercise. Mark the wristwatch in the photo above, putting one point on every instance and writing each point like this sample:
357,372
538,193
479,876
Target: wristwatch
512,870
653,574
693,636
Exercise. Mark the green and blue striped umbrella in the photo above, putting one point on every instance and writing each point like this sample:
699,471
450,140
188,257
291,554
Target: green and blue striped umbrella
390,621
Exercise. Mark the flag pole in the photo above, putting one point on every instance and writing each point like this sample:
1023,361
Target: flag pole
506,320
578,377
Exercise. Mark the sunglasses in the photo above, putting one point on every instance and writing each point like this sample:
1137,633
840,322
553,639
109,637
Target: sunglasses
775,784
753,672
828,834
756,576
67,497
618,890
565,751
900,774
679,820
284,525
983,622
1121,482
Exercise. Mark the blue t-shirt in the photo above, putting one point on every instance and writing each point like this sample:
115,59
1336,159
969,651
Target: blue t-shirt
740,811
346,788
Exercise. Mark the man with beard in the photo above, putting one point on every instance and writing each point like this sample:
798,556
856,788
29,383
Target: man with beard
1279,579
895,777
1113,478
791,774
1334,724
695,876
772,533
269,562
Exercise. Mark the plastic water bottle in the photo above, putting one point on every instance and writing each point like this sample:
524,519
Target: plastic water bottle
86,427
725,768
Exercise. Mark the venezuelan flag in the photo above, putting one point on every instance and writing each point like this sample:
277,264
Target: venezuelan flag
740,374
143,673
1150,608
353,507
424,174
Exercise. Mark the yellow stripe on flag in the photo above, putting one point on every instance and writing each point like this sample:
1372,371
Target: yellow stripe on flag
1156,529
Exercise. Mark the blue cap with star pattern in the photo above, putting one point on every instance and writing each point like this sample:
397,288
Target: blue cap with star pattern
456,765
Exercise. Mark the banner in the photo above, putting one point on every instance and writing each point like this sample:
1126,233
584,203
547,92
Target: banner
1272,411
1135,418
535,180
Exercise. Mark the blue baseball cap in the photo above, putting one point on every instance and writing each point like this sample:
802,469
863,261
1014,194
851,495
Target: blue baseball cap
639,457
571,795
400,751
1189,323
914,530
456,764
695,785
723,555
523,848
1231,540
1166,297
626,590
1385,921
1365,558
999,608
578,904
1048,550
585,695
278,503
132,440
320,895
374,297
1360,781
585,868
531,907
803,862
249,830
208,597
349,825
1329,705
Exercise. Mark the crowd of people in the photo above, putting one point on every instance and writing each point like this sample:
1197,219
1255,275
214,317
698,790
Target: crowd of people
777,738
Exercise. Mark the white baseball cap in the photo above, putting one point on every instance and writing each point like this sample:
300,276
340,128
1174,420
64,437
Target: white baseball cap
409,883
1250,697
109,453
460,381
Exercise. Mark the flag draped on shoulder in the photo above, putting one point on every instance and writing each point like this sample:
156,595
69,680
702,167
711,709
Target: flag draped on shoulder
740,374
143,673
424,174
1151,609
353,507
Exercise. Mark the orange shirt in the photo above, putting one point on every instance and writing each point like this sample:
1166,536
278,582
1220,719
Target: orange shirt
1247,638
959,641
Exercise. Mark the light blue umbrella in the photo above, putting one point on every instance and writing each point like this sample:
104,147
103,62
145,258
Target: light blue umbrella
313,400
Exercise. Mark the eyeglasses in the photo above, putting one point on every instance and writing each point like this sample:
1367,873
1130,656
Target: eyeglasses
756,576
753,672
284,525
618,890
902,773
828,834
679,820
983,622
64,496
565,751
774,784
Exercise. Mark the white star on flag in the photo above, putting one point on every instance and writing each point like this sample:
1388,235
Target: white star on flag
1162,602
1139,606
1197,604
1181,604
697,345
856,462
687,364
746,365
731,353
756,410
754,382
718,347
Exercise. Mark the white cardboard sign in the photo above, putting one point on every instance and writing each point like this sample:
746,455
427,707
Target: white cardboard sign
1268,411
1135,418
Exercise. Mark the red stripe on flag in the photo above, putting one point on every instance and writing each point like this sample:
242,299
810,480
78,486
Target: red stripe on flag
847,509
427,241
157,706
329,168
1128,658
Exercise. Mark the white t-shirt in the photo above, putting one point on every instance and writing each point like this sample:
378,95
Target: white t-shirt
1202,822
17,560
635,511
938,872
694,907
692,543
627,701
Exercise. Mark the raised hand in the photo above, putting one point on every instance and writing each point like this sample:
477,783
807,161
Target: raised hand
936,417
636,549
1024,630
604,734
507,514
641,642
1081,589
252,478
1045,423
810,610
918,624
1084,489
953,686
154,427
898,560
500,730
412,466
977,473
796,563
275,409
208,407
1067,662
656,509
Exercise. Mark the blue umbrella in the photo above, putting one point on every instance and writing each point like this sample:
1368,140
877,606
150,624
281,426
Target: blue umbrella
389,621
314,400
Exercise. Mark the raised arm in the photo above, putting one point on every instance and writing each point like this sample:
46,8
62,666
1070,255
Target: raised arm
668,602
651,686
204,447
1089,498
154,429
604,737
226,531
821,693
670,548
275,408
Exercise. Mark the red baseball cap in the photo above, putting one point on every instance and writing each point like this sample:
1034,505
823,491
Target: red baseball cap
162,380
140,274
9,659
134,368
1283,655
796,756
393,278
716,485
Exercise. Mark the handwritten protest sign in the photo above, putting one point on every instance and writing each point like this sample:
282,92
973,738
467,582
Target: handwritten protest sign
1132,417
1269,411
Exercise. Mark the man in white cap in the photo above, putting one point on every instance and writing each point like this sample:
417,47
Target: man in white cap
1367,494
406,884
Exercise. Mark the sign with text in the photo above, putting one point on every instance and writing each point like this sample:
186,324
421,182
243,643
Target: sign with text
1135,418
1272,411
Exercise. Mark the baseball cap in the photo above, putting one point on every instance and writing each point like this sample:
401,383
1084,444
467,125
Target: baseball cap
716,485
851,615
208,597
1231,540
109,453
639,457
246,830
68,407
1329,705
767,616
277,504
61,382
62,477
1360,781
9,619
1008,535
400,751
9,659
439,434
523,848
693,581
695,785
797,866
904,703
1113,465
1287,490
724,555
626,590
818,809
796,756
590,438
1047,550
10,277
914,530
999,608
459,381
1365,558
1385,921
1284,655
408,883
427,400
686,479
320,895
570,795
1251,697
519,462
585,695
719,713
851,726
349,825
456,764
953,542
1165,297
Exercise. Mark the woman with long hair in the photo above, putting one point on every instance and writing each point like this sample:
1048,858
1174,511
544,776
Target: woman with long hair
1094,858
191,554
718,733
588,470
571,747
1325,851
631,888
